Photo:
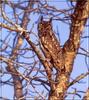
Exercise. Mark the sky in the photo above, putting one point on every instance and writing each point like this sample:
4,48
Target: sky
63,30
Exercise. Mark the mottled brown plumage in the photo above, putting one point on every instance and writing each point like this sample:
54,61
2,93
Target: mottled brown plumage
49,42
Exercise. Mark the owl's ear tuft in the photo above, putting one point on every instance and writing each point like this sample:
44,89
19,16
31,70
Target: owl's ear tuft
50,19
41,19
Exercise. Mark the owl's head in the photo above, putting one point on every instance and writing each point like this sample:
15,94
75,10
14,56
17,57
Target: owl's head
44,25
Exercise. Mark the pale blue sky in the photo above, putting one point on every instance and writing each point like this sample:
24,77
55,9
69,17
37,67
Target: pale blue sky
63,29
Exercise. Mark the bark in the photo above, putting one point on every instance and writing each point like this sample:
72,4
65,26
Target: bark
18,88
59,87
86,97
70,49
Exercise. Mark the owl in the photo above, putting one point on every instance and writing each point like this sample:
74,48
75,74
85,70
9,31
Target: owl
50,45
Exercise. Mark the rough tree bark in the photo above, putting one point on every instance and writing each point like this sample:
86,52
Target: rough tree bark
86,97
70,48
60,85
18,88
